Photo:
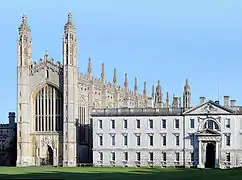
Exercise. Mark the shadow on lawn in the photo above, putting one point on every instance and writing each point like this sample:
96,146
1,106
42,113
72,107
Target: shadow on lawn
134,174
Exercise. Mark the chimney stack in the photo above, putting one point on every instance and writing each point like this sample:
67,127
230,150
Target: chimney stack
226,101
232,103
150,102
175,101
202,100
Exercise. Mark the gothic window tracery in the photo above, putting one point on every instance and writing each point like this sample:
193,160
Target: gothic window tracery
48,109
83,128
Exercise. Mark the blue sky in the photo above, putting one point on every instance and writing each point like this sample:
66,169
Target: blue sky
167,40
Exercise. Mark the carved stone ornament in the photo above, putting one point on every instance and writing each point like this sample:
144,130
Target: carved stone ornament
82,101
150,134
137,134
46,140
53,144
204,146
209,108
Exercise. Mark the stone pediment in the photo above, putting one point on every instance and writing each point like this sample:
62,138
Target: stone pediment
208,132
209,107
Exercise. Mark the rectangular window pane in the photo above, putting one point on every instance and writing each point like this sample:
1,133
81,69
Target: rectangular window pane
177,141
125,124
191,123
125,140
228,157
177,157
113,156
210,124
113,124
100,124
228,140
177,123
100,156
138,156
126,156
151,140
138,124
151,156
228,123
151,124
163,123
138,140
164,140
113,140
164,156
100,140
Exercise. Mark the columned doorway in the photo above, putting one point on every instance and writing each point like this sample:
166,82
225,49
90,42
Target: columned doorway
210,155
209,143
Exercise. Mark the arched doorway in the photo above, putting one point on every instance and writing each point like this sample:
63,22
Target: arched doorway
210,155
49,156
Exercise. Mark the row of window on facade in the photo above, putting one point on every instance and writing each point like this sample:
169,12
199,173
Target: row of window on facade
151,140
151,156
210,124
138,156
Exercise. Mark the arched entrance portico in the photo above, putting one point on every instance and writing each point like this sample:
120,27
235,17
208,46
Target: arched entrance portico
49,156
210,155
209,143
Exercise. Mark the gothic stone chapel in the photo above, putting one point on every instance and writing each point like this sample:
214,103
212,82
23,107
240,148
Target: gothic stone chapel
55,102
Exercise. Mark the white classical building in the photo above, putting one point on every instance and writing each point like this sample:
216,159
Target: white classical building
209,135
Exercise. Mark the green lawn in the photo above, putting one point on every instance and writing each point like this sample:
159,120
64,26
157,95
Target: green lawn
118,173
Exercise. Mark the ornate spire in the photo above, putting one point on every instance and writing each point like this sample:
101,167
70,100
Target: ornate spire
103,73
89,69
153,91
186,87
167,99
69,26
114,76
125,80
24,25
69,18
144,90
24,19
70,52
24,44
187,95
158,93
135,84
46,56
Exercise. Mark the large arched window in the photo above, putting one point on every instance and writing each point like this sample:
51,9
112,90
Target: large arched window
210,124
48,109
